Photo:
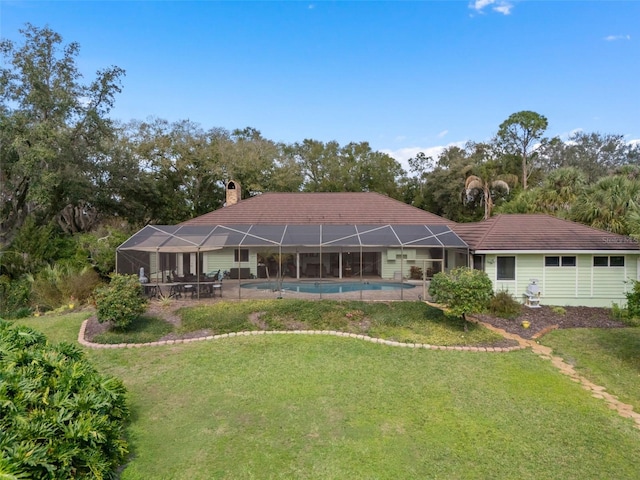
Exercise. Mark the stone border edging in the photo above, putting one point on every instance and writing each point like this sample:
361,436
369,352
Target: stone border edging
334,333
546,353
623,409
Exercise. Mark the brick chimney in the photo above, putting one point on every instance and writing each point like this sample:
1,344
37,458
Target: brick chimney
233,193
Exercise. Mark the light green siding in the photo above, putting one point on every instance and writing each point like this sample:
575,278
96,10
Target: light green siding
223,260
582,284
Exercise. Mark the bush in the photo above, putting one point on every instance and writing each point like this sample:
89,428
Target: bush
462,291
55,286
633,300
59,418
121,302
416,273
14,297
503,305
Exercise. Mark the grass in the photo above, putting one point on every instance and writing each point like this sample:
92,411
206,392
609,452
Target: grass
609,357
412,322
328,408
57,328
316,407
145,329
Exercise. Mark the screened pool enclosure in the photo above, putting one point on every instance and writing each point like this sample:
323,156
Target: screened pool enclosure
294,252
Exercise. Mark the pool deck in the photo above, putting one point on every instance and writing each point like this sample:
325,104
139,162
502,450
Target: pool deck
231,290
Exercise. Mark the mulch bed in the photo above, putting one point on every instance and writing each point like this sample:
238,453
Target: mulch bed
544,319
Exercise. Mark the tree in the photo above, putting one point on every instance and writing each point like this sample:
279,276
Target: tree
486,185
598,155
556,196
612,204
462,291
52,128
328,167
444,185
519,134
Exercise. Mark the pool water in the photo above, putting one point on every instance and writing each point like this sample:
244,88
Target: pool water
326,287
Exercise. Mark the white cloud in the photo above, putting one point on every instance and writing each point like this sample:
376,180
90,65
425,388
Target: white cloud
501,6
443,133
504,9
613,38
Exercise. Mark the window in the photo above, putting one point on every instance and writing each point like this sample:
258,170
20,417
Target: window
600,261
613,261
616,261
241,255
559,261
551,261
506,268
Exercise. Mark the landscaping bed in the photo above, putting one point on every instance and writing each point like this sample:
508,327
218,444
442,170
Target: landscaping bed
541,320
546,318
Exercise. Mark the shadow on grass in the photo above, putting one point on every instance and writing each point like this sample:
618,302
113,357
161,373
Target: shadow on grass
142,330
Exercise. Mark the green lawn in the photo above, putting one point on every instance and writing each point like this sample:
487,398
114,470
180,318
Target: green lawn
609,357
296,407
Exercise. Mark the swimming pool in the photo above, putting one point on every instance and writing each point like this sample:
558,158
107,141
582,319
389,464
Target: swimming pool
328,287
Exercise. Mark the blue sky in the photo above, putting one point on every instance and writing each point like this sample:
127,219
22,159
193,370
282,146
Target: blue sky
404,76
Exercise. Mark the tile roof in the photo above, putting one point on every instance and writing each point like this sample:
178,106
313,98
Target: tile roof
357,208
538,232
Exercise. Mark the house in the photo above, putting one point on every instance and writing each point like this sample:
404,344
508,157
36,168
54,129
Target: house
302,236
368,235
571,264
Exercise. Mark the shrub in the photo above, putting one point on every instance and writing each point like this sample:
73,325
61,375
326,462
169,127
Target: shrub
59,417
462,290
54,286
121,302
416,273
14,297
504,305
633,300
559,310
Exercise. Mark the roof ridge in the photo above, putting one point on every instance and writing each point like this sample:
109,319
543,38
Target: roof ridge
490,227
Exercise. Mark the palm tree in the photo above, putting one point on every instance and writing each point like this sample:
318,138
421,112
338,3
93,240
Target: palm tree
560,190
486,185
612,204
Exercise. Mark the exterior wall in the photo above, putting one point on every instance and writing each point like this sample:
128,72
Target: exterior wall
580,285
223,260
413,257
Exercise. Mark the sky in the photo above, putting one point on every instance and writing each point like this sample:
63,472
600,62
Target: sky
404,76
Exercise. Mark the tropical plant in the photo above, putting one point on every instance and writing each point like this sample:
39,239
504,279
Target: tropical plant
504,305
59,417
486,185
555,196
121,302
462,291
611,204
